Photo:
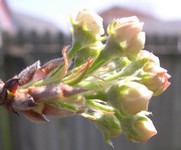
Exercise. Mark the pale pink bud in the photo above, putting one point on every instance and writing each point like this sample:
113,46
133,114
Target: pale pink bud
141,129
125,37
90,21
125,29
129,97
149,57
154,77
136,44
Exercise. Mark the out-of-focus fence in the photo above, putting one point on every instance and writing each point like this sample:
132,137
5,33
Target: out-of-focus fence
76,133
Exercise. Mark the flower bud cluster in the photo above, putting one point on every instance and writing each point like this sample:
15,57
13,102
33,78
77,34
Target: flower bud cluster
107,79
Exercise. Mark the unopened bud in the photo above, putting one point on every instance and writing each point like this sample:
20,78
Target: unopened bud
148,57
141,128
90,21
87,30
154,77
125,37
129,97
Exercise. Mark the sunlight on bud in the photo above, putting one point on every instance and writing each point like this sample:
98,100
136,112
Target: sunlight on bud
154,77
125,37
90,21
129,97
142,128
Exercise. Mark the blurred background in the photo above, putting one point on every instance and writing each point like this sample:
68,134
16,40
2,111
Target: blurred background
38,29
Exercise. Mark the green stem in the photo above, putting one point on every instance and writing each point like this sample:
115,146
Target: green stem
66,106
105,82
99,62
75,48
118,114
128,70
98,105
